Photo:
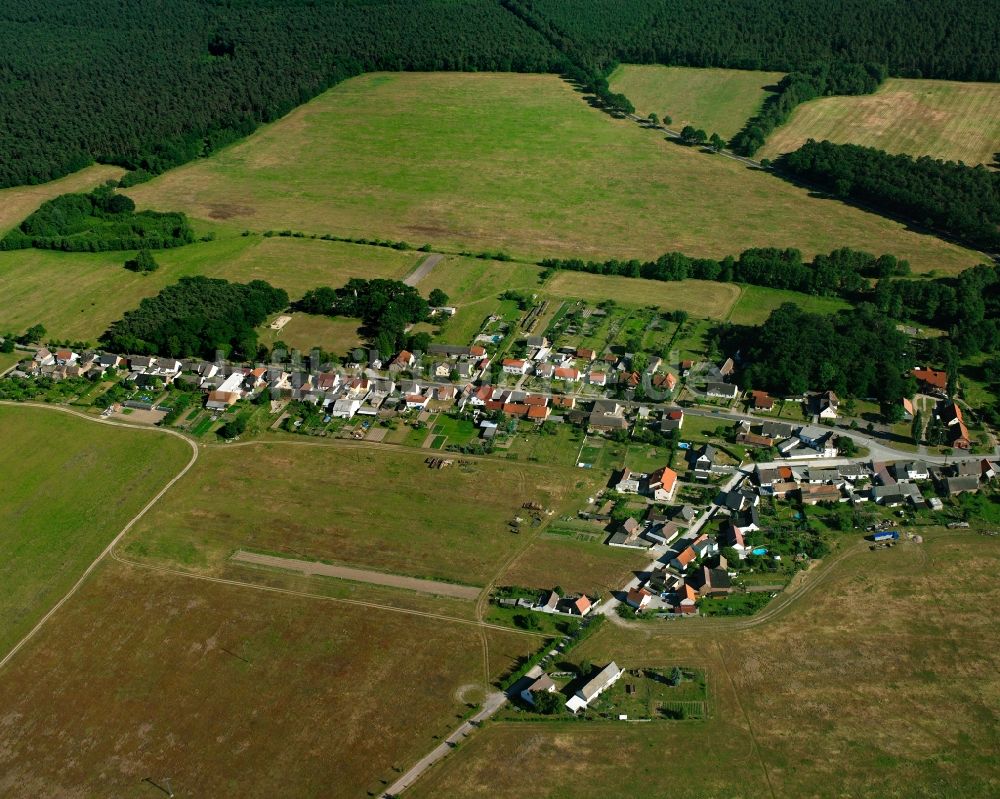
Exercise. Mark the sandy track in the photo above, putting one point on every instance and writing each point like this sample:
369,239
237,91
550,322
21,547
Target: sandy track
309,567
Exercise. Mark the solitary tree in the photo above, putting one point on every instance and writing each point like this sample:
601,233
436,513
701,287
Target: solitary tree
143,262
667,120
437,298
715,142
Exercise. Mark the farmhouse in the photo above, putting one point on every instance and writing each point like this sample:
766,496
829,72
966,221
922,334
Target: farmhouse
594,687
541,684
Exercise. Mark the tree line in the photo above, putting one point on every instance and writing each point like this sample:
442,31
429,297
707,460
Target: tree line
99,221
819,80
961,200
197,317
156,85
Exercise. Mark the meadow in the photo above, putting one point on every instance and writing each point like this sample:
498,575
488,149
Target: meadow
511,162
577,566
756,303
77,295
715,100
703,298
350,505
878,659
69,487
943,119
220,690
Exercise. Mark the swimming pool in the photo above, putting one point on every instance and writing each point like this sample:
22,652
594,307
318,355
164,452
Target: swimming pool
759,551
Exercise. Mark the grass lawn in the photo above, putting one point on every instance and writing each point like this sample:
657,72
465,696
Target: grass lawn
228,691
77,295
69,487
576,566
18,202
756,303
511,162
716,100
861,664
338,335
703,297
474,286
352,505
944,119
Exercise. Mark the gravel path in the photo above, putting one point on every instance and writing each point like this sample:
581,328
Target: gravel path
423,270
309,567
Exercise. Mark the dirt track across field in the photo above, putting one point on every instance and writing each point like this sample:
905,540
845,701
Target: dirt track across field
309,567
423,270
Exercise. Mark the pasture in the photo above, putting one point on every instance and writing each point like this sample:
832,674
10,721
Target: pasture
229,691
77,295
346,504
578,566
69,487
878,658
716,100
944,119
516,163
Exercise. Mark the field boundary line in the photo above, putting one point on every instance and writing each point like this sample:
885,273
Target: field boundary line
114,541
307,595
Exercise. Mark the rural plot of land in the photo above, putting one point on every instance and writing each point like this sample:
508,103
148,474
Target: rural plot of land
18,202
704,298
348,505
716,100
944,119
756,303
882,661
69,486
230,691
77,295
512,162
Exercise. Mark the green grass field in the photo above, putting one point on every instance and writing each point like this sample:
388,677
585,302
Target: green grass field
229,691
77,295
351,505
515,162
944,119
906,697
716,100
756,303
69,487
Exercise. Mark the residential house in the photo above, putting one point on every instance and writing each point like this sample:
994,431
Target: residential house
811,494
514,366
597,379
959,485
404,360
345,408
932,381
776,430
908,409
541,684
911,470
537,341
594,687
761,401
43,357
662,484
140,363
545,370
727,368
585,354
712,582
566,373
628,482
449,350
638,598
686,600
65,357
576,606
445,393
628,535
702,462
704,546
827,404
109,360
559,401
673,419
753,440
607,415
684,558
664,382
727,391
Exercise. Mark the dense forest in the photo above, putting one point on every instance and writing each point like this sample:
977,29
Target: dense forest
95,222
197,317
855,353
912,38
963,201
152,85
385,307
